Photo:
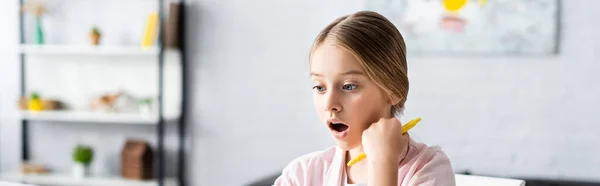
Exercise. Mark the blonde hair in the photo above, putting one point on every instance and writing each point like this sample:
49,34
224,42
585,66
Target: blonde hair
379,48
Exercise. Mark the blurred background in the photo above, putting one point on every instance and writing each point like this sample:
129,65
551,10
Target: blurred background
506,88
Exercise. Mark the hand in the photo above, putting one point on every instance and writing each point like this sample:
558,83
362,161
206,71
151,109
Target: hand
383,141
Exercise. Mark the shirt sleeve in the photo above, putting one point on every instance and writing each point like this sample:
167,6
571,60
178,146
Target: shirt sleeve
290,175
284,180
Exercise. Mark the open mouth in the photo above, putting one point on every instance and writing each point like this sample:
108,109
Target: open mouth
339,127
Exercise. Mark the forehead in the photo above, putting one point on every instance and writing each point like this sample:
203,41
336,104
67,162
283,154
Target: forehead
333,59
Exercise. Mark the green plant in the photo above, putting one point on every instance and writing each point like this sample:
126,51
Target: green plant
35,95
146,101
95,30
83,154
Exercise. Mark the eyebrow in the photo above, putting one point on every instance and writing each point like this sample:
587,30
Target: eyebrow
351,72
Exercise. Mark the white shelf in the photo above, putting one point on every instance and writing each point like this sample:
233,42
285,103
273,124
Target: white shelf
67,180
33,49
93,117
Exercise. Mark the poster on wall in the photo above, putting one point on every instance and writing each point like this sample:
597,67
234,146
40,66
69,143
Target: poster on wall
496,27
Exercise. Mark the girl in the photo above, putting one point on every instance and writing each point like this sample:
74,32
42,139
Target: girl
358,67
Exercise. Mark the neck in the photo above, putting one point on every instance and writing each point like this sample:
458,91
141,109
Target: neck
358,172
352,153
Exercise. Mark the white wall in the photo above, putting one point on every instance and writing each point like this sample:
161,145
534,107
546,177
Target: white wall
9,152
498,115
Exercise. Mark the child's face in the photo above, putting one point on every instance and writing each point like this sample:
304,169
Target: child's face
346,99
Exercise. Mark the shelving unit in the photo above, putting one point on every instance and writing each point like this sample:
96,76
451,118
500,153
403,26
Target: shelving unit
32,49
156,119
94,117
67,180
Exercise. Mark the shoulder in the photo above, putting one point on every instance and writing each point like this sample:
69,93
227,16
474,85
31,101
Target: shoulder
429,153
308,166
429,164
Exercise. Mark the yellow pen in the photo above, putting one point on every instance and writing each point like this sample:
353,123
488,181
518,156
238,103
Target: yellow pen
405,129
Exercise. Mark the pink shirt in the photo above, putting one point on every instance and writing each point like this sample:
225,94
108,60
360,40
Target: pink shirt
422,166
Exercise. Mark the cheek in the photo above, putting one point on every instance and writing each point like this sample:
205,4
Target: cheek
368,109
319,107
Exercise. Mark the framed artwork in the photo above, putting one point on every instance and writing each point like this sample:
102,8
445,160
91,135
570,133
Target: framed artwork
434,27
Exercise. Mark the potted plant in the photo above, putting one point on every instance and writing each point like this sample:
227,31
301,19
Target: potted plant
95,36
35,102
145,105
82,158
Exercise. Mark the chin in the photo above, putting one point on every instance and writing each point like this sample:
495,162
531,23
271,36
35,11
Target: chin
346,145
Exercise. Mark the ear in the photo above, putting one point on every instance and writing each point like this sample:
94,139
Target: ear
393,100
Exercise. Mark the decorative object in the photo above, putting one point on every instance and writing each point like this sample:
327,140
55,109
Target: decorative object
145,106
33,168
434,27
114,102
50,104
137,160
126,103
150,32
173,26
95,36
37,9
35,102
103,103
24,103
82,158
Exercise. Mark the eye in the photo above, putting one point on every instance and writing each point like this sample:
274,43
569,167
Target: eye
349,87
318,88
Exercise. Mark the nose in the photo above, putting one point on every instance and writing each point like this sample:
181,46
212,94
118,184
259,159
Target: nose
332,102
